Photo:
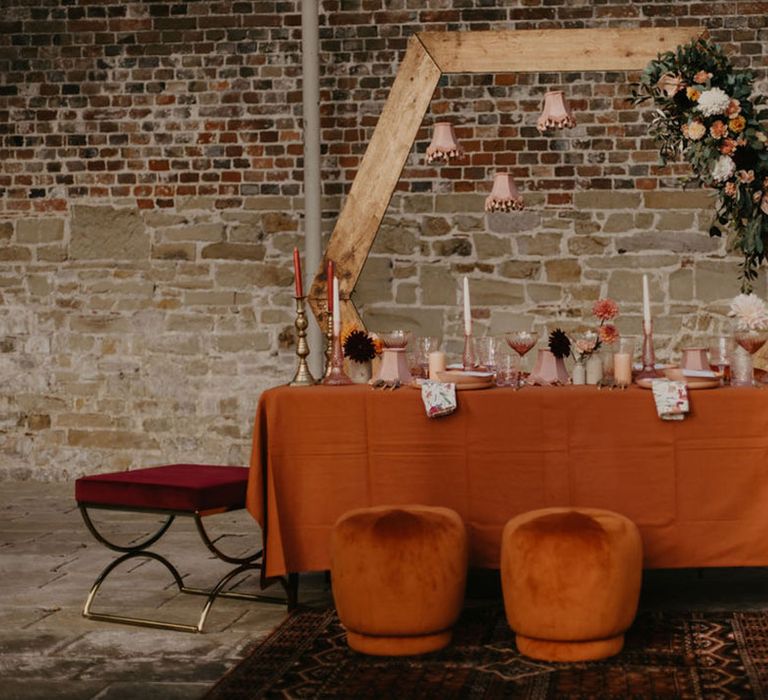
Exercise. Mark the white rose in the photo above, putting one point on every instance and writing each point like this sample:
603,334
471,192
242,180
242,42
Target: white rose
712,102
724,167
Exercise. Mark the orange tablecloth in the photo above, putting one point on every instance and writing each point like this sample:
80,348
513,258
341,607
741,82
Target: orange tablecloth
697,489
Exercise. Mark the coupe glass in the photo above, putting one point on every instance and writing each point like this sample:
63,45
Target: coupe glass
751,341
522,342
395,340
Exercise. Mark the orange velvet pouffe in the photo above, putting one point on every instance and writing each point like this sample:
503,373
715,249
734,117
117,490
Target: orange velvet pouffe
398,576
571,582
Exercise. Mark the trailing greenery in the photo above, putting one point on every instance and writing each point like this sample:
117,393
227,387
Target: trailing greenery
705,113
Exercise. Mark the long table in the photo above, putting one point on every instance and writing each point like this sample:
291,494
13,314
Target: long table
697,488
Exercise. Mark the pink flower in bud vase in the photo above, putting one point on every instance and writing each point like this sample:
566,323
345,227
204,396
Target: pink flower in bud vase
609,334
605,309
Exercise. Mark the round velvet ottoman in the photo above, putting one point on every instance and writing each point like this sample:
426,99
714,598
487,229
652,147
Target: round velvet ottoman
571,582
398,575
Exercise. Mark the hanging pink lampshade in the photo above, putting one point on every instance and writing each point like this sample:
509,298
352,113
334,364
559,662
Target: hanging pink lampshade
556,113
444,145
504,195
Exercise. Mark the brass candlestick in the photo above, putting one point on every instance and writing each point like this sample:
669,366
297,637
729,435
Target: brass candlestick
328,345
303,376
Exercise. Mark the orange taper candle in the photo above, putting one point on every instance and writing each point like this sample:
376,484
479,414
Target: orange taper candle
297,273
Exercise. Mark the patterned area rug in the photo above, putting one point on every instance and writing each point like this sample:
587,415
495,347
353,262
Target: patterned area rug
675,655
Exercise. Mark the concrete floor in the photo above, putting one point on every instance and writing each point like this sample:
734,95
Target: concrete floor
48,562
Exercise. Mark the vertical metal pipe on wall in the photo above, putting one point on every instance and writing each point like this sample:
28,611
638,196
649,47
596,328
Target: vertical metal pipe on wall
310,92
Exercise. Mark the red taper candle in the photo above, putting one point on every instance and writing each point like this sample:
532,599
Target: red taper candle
297,273
329,284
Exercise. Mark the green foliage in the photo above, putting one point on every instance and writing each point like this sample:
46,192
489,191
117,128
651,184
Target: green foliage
726,147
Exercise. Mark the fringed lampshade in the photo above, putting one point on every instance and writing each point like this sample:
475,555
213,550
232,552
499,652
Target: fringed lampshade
504,195
444,145
556,113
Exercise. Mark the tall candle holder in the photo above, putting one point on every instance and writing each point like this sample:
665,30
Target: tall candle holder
303,376
649,370
468,360
328,344
336,376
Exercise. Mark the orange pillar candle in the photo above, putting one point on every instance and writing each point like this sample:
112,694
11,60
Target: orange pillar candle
622,368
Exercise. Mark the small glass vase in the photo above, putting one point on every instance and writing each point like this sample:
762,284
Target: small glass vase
594,369
741,367
359,372
579,375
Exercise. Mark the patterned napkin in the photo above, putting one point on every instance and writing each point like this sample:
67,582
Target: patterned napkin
671,399
439,398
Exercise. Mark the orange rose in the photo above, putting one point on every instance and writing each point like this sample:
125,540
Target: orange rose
701,77
733,108
718,130
737,124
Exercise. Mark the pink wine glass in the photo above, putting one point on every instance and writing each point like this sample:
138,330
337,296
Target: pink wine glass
522,342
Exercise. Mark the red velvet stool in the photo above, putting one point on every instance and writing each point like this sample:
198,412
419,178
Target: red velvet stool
571,582
196,490
398,576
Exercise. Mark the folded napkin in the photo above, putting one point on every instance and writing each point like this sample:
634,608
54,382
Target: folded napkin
671,399
439,398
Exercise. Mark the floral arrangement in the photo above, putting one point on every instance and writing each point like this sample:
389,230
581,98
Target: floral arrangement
589,342
705,112
750,312
358,345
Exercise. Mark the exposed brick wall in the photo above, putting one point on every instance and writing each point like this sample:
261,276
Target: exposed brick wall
150,195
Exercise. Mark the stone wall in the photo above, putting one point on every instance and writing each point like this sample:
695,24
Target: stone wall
150,195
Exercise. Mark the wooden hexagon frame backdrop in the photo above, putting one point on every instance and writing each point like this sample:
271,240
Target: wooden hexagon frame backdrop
430,55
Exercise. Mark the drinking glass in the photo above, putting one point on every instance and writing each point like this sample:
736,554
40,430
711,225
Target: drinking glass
507,370
522,342
720,349
751,341
418,356
487,351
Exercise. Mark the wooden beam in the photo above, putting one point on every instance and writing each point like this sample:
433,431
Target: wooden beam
430,54
543,50
377,176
